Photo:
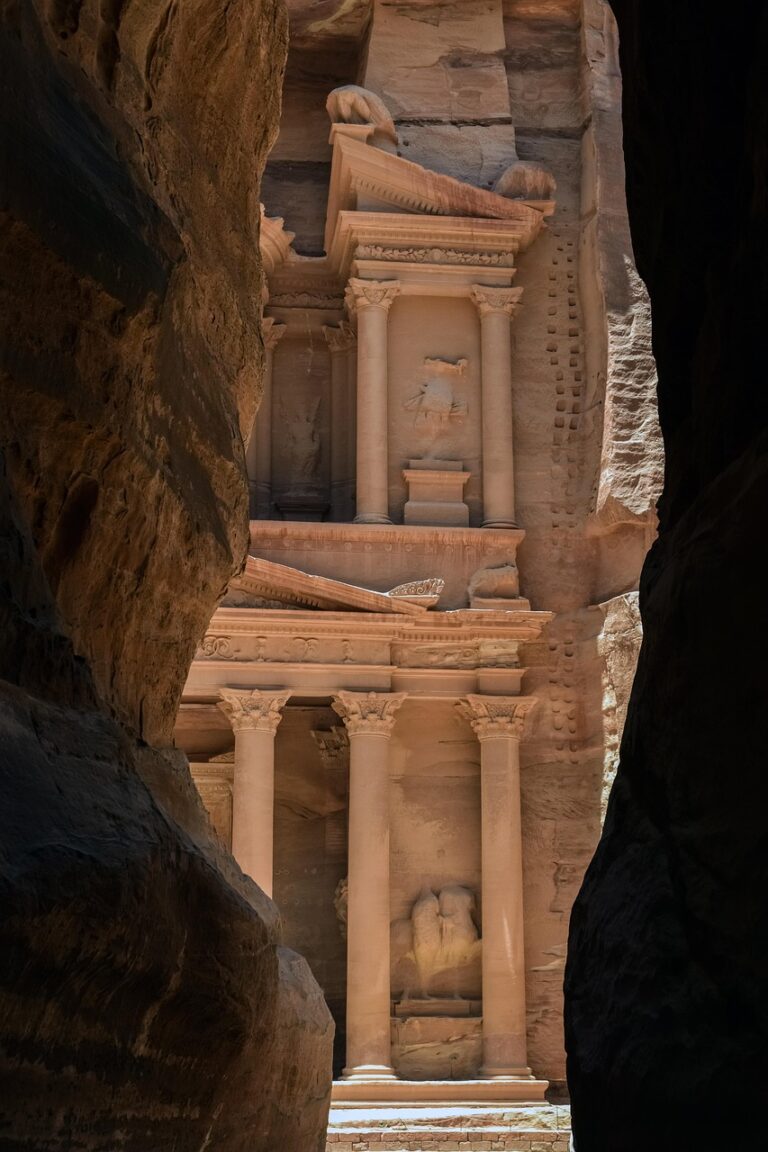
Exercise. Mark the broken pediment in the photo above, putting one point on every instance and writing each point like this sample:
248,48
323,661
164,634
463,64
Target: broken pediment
281,586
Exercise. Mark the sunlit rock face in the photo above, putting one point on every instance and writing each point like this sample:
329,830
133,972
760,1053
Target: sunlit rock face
146,1000
666,980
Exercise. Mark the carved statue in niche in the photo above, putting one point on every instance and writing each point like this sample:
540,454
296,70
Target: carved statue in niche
303,441
340,903
351,104
435,404
437,952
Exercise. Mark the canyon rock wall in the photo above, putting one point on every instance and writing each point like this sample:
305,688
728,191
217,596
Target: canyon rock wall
666,1004
146,998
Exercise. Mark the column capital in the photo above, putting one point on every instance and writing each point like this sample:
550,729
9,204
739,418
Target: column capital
495,301
492,716
339,339
251,709
271,332
362,294
333,745
368,712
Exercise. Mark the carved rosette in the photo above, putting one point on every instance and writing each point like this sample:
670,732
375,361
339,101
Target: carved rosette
495,301
339,339
371,713
271,333
362,294
493,716
251,709
332,744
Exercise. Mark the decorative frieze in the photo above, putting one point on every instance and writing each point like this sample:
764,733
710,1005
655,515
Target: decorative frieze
434,256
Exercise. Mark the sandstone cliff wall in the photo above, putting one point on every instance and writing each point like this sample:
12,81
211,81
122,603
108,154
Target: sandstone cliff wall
146,999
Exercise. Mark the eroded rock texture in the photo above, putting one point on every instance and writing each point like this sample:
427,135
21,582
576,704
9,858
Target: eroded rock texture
666,997
146,1001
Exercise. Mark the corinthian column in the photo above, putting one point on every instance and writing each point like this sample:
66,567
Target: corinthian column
372,300
370,718
254,716
258,454
498,722
340,342
496,306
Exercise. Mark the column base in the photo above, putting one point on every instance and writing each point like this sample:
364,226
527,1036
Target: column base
371,518
368,1073
500,524
390,1090
506,1074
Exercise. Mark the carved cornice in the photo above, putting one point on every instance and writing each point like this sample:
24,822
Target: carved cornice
494,301
271,332
369,713
493,716
363,294
252,709
339,339
333,745
320,300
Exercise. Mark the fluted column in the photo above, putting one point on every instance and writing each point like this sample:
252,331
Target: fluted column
498,722
496,306
258,454
254,716
341,341
372,300
370,718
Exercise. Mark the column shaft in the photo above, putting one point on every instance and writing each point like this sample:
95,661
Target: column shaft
340,341
498,722
253,805
369,718
504,1024
495,306
254,716
373,300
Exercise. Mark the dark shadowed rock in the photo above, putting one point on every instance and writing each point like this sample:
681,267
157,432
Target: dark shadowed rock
666,988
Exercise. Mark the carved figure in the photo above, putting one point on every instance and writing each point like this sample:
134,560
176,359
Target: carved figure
351,104
340,902
437,951
525,180
434,403
495,583
304,440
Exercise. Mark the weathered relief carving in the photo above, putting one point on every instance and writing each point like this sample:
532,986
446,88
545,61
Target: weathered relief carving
215,648
434,655
340,904
437,951
351,104
434,256
303,441
526,180
435,403
498,582
419,591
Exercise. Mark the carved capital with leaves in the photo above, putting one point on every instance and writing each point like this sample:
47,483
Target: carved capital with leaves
371,713
362,294
493,716
495,301
252,709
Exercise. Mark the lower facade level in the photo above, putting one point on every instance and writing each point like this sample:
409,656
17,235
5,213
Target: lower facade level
542,1128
